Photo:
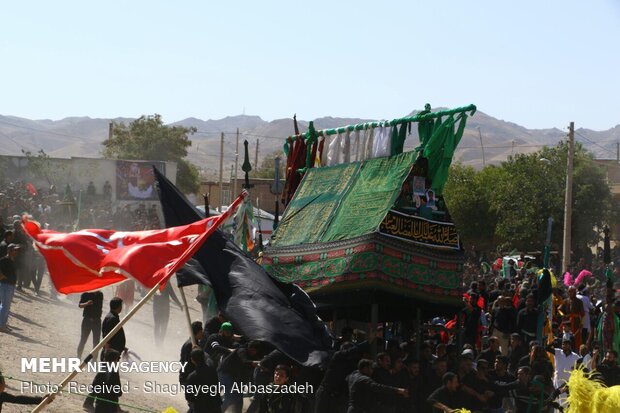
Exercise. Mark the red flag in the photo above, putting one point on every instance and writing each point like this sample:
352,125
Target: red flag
89,259
31,189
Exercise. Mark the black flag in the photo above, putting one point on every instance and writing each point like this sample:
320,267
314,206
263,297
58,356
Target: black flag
259,306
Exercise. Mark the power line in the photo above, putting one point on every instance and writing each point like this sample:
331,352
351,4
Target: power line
596,144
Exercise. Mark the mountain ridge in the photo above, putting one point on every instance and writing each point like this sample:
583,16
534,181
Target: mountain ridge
81,136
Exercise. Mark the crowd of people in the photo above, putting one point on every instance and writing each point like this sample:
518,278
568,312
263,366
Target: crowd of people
488,357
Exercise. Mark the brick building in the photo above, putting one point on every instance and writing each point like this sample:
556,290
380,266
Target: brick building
260,190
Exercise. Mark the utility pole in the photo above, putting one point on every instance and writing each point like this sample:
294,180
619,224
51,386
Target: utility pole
568,200
219,207
256,156
618,151
234,194
111,130
482,147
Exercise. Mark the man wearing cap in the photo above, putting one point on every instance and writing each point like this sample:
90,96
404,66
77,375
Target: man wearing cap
218,346
221,344
8,279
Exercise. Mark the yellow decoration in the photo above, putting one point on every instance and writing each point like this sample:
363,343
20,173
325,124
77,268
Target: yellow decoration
590,396
554,282
169,410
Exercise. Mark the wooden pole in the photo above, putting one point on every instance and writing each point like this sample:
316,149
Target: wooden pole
219,205
236,163
256,156
189,319
568,200
482,147
48,398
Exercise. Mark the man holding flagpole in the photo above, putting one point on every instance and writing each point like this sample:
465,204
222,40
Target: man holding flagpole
90,259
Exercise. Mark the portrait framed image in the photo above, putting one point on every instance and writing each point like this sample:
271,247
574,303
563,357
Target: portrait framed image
419,185
430,200
135,180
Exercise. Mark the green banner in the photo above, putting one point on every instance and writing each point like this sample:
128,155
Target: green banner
371,196
420,230
314,203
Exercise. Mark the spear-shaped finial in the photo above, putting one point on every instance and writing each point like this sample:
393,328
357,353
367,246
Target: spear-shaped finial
247,166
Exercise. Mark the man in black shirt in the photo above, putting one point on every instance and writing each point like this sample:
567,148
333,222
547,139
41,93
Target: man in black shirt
281,402
221,344
331,396
608,369
117,342
415,384
448,397
203,377
499,376
186,351
8,279
432,381
363,390
212,326
6,240
517,351
492,352
106,386
92,303
503,322
237,367
527,320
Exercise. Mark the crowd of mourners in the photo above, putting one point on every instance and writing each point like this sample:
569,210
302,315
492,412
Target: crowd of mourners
489,357
62,211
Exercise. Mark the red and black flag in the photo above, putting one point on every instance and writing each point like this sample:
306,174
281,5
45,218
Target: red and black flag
261,307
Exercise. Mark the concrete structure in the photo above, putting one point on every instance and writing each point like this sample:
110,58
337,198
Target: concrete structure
77,172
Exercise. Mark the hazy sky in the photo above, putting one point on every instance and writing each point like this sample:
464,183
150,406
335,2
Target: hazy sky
535,63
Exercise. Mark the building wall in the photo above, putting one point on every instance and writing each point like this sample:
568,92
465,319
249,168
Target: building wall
261,190
612,169
77,172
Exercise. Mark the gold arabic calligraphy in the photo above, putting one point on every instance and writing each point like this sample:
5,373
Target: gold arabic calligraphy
420,230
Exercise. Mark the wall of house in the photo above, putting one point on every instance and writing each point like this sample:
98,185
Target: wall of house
77,172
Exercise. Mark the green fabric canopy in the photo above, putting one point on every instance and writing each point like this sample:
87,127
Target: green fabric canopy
343,201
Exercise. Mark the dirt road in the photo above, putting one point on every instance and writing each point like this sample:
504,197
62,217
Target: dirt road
44,327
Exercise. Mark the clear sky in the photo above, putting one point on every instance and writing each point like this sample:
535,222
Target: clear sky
536,63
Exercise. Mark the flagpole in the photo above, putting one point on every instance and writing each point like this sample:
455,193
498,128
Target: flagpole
48,398
189,320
